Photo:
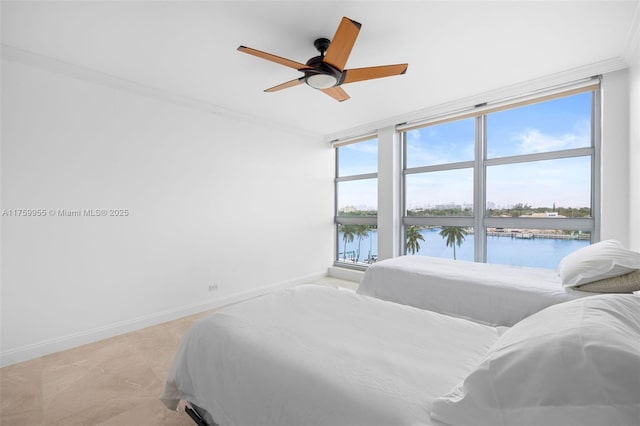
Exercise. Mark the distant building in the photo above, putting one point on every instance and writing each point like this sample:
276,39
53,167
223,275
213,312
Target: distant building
543,215
448,206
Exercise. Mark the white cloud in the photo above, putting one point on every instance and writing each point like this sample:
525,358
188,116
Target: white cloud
533,140
439,150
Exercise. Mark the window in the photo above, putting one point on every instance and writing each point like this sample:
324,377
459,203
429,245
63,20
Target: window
540,188
513,184
440,193
356,187
554,125
448,143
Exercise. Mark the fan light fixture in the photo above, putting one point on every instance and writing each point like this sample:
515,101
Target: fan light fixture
321,81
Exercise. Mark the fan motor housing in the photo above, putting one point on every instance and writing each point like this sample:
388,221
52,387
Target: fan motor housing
321,67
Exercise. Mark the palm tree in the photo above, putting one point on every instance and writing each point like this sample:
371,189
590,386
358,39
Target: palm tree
348,232
454,235
413,235
362,231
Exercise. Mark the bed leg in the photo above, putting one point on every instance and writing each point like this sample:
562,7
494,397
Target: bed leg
194,416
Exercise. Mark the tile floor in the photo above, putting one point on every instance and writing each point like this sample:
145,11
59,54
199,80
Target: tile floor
113,382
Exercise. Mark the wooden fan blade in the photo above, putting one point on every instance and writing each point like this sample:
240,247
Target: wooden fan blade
285,85
359,74
273,58
337,93
342,43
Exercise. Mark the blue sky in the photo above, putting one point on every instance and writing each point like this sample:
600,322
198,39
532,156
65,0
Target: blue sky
549,126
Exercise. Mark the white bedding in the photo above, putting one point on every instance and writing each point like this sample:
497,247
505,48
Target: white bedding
487,293
322,356
574,363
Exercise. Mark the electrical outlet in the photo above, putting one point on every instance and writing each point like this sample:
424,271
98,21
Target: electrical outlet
213,287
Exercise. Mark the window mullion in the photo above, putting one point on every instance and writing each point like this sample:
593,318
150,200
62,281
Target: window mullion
403,194
596,181
479,190
440,167
539,156
357,177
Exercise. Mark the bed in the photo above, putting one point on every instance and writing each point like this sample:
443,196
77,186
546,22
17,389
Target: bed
501,294
316,355
488,293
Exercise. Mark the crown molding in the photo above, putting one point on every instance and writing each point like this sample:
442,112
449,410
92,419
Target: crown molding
25,57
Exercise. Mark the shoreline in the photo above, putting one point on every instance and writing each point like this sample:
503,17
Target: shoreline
529,235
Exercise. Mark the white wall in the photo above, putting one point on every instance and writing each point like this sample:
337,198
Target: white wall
211,200
389,172
634,145
615,154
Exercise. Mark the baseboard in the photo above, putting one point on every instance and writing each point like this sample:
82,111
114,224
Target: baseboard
346,274
47,347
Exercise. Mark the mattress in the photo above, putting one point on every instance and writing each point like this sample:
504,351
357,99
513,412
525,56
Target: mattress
323,356
499,295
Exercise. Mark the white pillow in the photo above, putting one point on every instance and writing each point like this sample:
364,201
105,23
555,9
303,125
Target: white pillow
606,259
575,363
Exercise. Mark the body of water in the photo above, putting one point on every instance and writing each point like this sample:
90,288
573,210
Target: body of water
536,252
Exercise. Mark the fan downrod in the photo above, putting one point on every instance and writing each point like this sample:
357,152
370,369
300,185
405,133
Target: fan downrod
322,44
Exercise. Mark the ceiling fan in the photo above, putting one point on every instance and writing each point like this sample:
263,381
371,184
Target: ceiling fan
326,72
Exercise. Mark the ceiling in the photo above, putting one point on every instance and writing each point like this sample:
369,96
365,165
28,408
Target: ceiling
454,49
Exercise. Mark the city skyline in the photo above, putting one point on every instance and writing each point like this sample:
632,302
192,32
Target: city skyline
453,204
